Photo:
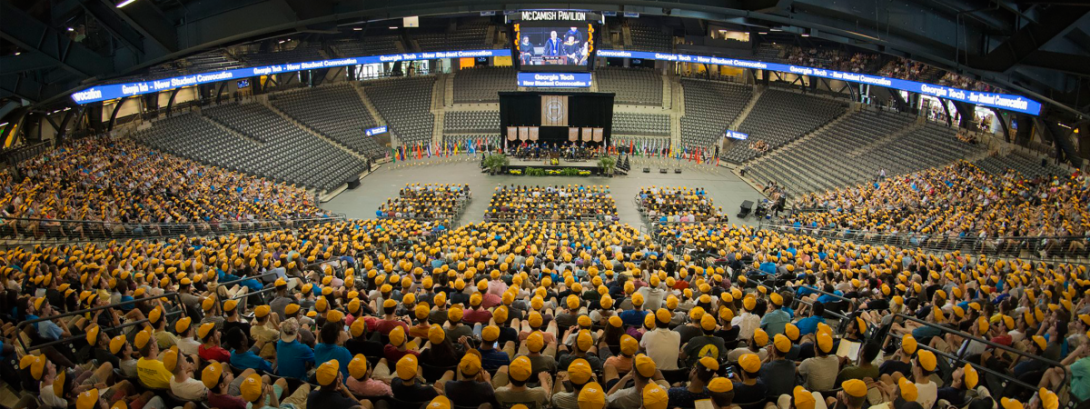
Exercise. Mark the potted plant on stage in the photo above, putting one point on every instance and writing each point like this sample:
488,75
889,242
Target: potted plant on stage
495,163
607,164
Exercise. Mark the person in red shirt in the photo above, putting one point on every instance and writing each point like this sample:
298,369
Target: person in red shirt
476,313
210,349
389,321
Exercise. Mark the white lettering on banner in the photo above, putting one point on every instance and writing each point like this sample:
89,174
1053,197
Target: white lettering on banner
544,15
88,94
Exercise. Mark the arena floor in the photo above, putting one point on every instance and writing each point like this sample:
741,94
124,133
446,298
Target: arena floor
725,188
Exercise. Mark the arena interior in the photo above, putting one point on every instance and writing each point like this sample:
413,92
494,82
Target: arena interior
370,204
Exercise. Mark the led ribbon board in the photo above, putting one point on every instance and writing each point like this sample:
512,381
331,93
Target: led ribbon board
1009,102
736,135
376,130
113,91
554,79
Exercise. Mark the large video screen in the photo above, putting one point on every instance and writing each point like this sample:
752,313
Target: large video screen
551,46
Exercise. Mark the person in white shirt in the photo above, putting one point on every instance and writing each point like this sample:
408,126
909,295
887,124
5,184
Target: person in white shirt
927,391
182,383
662,345
187,345
652,294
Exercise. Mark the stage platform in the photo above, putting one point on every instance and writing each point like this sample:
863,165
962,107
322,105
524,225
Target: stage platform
590,165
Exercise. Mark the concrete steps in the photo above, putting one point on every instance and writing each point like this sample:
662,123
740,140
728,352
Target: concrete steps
757,92
367,103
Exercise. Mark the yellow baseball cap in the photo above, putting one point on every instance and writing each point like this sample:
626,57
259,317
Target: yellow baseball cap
535,319
637,299
92,335
760,337
327,372
1040,341
436,335
782,343
645,366
707,322
720,384
406,367
454,315
908,344
142,338
182,325
908,389
1049,400
629,345
579,371
1008,403
116,343
709,362
357,367
825,342
470,365
88,399
291,309
397,336
663,315
230,305
170,358
592,396
358,327
204,330
926,360
520,369
654,397
750,363
262,311
210,376
584,341
439,402
615,321
490,333
855,387
500,314
803,398
971,377
36,363
251,387
535,342
649,321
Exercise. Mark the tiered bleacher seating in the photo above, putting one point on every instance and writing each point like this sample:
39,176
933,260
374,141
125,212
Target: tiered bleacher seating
817,166
216,60
284,153
710,107
649,37
464,141
483,84
369,45
1028,166
631,86
405,105
781,117
625,123
466,37
471,121
334,111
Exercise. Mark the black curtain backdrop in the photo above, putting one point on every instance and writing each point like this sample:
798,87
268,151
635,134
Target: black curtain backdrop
593,109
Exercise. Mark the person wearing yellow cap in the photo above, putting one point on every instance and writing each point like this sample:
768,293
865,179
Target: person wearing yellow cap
706,345
187,343
776,318
699,377
329,348
408,385
821,370
468,385
165,339
582,348
662,344
183,367
511,384
778,373
331,392
925,364
965,378
243,356
654,397
151,371
644,372
721,391
633,317
360,381
264,329
748,387
210,349
853,393
756,345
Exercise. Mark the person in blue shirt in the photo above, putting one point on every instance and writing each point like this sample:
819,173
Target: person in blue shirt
46,329
328,350
292,357
242,356
635,316
809,324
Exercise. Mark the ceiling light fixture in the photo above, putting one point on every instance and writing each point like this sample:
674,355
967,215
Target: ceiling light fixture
357,28
125,3
393,27
775,29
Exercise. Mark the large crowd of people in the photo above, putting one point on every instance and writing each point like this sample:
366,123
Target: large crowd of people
678,204
426,201
550,304
959,202
832,59
133,189
568,202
